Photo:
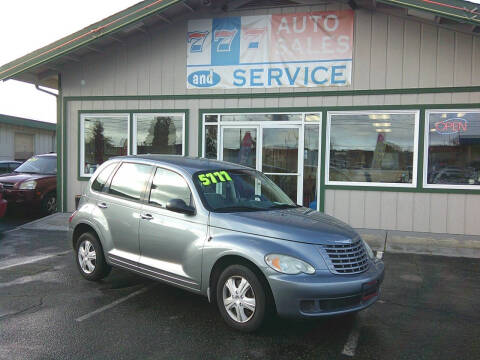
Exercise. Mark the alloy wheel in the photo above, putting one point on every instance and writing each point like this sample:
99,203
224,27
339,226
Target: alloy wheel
239,299
87,257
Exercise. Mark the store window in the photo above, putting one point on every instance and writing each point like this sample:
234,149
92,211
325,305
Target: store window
452,147
159,133
372,148
102,137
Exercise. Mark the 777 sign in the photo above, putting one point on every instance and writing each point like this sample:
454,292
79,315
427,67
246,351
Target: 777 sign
197,40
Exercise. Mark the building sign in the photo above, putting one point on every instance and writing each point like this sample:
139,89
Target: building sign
271,51
451,126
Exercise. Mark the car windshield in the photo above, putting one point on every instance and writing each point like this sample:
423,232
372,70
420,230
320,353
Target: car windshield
239,190
39,165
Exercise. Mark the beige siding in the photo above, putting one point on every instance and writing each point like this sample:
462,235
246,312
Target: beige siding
420,212
389,52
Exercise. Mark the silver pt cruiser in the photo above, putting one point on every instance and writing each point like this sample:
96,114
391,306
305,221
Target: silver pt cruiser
224,231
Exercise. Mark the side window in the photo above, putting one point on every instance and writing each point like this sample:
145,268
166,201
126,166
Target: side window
169,185
4,168
13,166
102,178
130,180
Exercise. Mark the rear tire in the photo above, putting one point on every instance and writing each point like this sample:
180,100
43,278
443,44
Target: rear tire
90,258
49,204
241,298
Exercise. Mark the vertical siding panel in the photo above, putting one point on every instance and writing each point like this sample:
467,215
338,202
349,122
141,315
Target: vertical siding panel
411,59
456,214
445,62
378,53
372,209
180,58
342,204
428,56
120,81
388,207
475,97
472,209
330,202
463,65
357,209
421,212
394,52
363,31
438,213
404,212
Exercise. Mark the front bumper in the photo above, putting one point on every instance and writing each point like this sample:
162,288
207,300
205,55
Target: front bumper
20,198
325,293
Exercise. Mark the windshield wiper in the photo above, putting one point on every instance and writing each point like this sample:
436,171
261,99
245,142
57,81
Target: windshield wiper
283,206
237,208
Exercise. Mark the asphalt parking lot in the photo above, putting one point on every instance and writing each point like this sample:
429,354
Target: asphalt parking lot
428,310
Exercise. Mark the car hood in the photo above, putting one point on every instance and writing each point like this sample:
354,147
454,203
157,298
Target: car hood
298,224
14,178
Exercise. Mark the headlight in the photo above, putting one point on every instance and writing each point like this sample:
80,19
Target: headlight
288,265
28,185
370,253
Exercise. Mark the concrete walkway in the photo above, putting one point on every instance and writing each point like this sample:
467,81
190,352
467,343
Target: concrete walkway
380,240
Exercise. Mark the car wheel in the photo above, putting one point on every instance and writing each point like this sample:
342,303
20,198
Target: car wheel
241,298
90,259
49,204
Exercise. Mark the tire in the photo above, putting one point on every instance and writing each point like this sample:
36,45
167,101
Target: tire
49,204
93,269
236,310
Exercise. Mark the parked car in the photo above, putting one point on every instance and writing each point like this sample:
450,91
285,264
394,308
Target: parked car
224,231
33,185
3,202
8,166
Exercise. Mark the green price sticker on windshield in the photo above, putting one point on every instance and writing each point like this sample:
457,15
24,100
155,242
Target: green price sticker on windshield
214,178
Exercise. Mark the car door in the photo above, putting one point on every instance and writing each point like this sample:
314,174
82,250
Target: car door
120,207
171,243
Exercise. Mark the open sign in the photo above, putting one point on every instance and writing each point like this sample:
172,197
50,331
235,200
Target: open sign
451,126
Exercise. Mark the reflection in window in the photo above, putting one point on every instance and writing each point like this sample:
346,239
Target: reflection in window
168,185
310,166
261,117
130,180
104,137
102,178
159,134
453,148
240,146
211,141
372,148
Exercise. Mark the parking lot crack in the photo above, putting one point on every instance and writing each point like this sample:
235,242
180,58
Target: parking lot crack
29,309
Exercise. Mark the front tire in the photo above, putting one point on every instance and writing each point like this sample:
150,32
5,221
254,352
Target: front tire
90,258
241,298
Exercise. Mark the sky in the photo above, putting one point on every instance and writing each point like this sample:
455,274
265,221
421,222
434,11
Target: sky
30,24
33,24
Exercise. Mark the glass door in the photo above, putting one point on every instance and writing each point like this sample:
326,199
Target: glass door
281,158
239,145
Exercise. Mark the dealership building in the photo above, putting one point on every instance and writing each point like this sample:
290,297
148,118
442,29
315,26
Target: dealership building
366,110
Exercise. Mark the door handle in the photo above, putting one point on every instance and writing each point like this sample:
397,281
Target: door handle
102,205
146,217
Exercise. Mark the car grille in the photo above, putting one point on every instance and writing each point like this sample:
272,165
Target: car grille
7,185
346,258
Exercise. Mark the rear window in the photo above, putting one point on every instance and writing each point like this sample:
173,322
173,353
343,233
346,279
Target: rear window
130,181
102,178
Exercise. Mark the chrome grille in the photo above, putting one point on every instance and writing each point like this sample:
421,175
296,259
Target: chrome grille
7,185
346,258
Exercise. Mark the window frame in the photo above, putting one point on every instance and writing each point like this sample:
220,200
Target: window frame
411,185
426,145
157,113
81,137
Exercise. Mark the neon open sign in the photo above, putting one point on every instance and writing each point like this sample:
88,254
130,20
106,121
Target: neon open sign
451,126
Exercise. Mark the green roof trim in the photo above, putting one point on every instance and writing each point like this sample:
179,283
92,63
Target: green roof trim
459,10
84,36
18,121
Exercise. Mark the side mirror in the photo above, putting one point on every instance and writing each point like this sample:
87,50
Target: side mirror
178,205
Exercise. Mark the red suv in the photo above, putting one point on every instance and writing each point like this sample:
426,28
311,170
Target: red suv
33,185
